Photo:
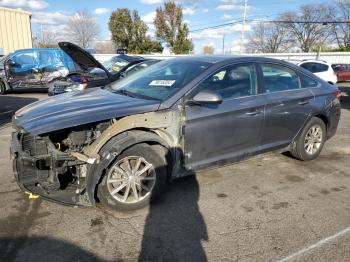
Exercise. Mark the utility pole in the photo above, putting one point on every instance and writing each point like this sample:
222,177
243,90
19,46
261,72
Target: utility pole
223,44
245,7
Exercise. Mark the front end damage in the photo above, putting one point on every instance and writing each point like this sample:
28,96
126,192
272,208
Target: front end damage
46,165
55,165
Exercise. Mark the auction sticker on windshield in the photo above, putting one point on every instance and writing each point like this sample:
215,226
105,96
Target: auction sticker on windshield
162,83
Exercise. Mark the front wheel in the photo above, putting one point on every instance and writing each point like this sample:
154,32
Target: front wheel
309,144
134,178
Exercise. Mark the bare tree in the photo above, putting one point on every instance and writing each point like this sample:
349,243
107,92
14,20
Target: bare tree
306,27
341,32
107,47
268,38
82,29
45,38
208,50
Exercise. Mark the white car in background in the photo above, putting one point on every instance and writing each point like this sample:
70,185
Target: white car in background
320,68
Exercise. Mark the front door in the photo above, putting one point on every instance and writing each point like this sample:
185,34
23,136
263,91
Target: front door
230,130
22,69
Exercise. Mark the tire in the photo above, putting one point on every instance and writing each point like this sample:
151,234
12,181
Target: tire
311,135
112,194
2,88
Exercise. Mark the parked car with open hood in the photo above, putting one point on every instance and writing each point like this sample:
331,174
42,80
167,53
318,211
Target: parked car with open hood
34,68
92,73
120,145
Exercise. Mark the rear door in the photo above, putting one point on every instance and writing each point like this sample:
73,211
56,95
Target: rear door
228,130
51,65
22,69
287,105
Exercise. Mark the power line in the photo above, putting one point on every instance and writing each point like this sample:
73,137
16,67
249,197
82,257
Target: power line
216,26
269,21
298,22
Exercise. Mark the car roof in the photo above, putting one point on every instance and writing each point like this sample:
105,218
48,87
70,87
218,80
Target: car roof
37,49
315,61
213,59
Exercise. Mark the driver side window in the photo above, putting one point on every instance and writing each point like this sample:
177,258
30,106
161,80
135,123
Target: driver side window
232,81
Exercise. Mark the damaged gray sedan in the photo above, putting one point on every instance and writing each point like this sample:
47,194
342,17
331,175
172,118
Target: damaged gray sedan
120,145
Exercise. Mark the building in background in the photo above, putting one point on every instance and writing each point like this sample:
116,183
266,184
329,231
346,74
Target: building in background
15,30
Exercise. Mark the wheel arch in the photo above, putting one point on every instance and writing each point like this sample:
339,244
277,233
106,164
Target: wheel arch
321,116
324,118
115,146
2,80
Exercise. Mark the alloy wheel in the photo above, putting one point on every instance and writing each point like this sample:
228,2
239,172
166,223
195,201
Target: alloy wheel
313,140
131,179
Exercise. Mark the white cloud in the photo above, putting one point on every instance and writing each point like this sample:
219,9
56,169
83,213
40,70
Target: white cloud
235,45
229,7
230,1
49,18
219,32
206,10
188,11
150,2
149,18
227,17
25,4
101,11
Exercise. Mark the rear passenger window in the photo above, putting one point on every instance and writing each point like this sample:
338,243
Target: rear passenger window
279,78
307,82
232,82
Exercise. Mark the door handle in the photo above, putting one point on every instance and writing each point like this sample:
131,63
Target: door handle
303,102
253,113
281,104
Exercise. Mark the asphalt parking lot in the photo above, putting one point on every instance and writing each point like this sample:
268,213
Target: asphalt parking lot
268,208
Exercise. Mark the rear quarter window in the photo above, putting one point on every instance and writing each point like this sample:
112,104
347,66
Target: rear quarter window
307,82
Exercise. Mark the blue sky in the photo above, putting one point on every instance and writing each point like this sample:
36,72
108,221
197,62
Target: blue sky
53,14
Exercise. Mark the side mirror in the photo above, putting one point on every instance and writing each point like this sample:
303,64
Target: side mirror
206,98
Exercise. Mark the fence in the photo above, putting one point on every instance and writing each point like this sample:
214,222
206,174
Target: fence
336,57
331,57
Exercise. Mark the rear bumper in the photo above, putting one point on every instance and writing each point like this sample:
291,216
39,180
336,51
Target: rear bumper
39,174
333,118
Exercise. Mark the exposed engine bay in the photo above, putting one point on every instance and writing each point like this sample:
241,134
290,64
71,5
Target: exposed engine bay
48,156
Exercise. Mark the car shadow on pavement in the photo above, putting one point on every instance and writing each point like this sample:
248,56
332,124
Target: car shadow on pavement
345,99
43,249
175,228
10,104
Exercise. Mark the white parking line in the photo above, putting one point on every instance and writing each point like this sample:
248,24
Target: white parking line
316,245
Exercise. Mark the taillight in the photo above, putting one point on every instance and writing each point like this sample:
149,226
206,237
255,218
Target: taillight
337,94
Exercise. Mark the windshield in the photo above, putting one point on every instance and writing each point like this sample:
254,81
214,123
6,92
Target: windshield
162,80
115,64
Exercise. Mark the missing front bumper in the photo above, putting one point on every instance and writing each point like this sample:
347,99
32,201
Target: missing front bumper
40,169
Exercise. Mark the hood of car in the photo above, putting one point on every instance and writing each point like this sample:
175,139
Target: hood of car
78,108
81,57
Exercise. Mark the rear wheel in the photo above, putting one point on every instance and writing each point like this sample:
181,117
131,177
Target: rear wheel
134,178
309,144
2,88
